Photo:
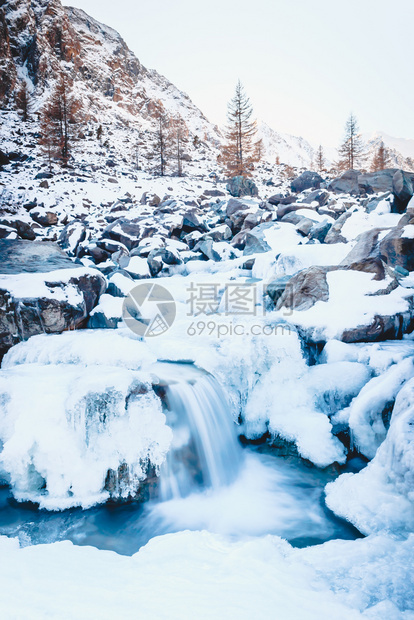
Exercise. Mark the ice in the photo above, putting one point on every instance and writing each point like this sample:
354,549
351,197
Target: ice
64,426
366,411
292,401
380,497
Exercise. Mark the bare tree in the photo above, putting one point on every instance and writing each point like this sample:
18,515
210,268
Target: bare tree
238,154
381,159
351,151
320,159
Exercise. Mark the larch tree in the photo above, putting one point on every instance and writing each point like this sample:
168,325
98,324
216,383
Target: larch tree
351,151
320,159
162,142
238,154
59,116
258,150
381,159
180,137
23,101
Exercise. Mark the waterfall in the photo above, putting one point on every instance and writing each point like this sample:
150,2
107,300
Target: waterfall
205,451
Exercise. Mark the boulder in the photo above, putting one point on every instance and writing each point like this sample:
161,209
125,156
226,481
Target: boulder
334,235
35,299
241,186
23,229
397,247
213,193
44,175
320,196
346,183
155,263
44,217
254,244
304,289
107,314
7,232
194,220
206,247
126,232
370,265
307,180
276,288
374,182
280,199
319,231
402,188
304,226
71,236
366,247
4,159
220,233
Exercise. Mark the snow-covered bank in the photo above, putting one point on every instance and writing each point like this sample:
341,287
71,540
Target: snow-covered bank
201,575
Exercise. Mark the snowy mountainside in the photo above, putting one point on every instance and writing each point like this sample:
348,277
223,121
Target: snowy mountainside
42,38
400,150
291,150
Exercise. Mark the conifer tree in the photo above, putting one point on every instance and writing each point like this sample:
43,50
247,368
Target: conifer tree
179,136
381,159
320,159
351,151
162,142
23,101
58,118
238,154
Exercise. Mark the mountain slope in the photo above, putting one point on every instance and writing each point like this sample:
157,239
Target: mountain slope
41,38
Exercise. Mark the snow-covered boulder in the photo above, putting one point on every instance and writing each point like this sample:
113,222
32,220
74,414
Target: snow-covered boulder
42,291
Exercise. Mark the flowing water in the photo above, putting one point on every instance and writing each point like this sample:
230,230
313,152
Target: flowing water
209,481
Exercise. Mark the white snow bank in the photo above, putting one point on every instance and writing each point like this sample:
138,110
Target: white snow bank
200,575
381,495
86,347
267,266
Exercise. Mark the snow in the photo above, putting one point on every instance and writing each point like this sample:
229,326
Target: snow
38,285
408,231
352,303
138,267
110,306
202,575
118,348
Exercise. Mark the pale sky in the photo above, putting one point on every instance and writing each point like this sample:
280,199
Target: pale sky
305,64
